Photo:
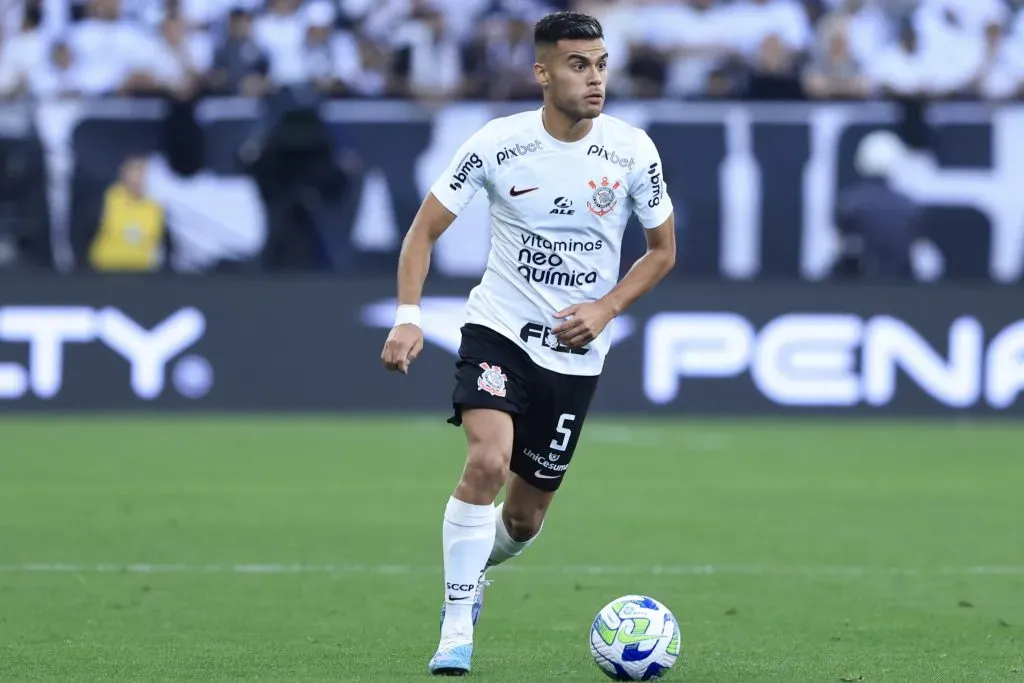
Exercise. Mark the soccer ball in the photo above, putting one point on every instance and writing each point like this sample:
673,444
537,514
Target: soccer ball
634,638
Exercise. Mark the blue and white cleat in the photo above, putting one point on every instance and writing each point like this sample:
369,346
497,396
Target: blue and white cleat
478,600
452,662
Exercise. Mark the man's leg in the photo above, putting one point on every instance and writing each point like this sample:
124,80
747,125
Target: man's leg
545,441
468,531
519,519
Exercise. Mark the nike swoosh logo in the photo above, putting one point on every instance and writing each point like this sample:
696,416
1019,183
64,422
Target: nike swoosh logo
455,599
541,475
629,638
515,193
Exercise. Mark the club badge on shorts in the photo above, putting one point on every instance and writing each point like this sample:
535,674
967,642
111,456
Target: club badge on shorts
604,200
492,380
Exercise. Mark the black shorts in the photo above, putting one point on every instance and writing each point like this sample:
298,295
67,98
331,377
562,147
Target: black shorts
547,408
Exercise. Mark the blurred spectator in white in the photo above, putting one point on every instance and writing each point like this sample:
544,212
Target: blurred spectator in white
210,14
333,63
58,77
953,33
868,27
180,57
774,72
240,65
499,61
23,53
754,22
428,58
458,16
906,70
948,21
1016,23
461,17
772,36
355,11
1001,73
678,46
374,77
281,33
703,49
651,30
110,55
833,72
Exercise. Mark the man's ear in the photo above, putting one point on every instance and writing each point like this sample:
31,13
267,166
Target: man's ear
540,72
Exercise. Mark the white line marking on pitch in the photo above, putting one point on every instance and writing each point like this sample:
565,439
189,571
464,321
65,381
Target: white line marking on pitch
385,569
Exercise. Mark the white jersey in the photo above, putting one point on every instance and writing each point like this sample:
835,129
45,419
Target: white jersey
557,212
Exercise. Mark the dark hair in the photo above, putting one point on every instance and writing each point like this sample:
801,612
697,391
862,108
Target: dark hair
566,26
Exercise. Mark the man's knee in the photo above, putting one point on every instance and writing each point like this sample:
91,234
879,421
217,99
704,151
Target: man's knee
486,465
523,523
489,438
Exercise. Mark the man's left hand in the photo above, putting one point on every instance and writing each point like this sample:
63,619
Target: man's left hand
587,321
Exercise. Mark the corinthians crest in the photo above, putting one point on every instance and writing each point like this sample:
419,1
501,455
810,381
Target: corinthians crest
603,200
492,380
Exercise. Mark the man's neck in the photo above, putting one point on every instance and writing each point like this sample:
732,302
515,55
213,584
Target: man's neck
561,127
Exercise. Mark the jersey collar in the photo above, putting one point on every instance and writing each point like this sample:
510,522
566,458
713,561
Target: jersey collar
555,142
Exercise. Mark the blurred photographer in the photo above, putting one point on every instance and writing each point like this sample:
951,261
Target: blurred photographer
292,158
24,217
877,224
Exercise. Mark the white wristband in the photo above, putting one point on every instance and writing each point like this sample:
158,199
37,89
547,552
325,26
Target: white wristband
407,314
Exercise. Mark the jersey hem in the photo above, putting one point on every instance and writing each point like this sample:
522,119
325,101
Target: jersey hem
499,329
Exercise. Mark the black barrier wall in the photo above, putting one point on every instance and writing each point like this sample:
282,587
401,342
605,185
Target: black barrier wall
754,184
127,344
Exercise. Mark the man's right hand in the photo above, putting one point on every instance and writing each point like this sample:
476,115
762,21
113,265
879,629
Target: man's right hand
402,347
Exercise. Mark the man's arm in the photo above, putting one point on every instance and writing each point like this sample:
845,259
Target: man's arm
648,270
430,223
405,341
587,320
653,208
449,195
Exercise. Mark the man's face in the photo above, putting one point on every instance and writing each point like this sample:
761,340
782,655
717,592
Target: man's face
837,46
133,175
173,31
318,34
241,26
106,9
574,74
61,56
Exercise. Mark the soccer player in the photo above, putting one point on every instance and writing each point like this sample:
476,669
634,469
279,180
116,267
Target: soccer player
562,181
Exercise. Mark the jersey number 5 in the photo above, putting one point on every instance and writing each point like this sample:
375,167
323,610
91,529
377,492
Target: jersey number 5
566,432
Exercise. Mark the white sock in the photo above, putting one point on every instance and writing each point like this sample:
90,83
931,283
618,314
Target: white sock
506,547
467,537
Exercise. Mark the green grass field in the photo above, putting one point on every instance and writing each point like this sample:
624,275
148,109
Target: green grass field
309,549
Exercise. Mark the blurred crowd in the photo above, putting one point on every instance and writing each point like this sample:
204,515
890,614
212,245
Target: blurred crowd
482,49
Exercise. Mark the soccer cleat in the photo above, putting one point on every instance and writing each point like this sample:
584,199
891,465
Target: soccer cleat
452,662
478,600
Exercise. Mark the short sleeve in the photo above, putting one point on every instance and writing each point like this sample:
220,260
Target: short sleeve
651,202
467,173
